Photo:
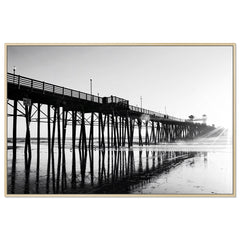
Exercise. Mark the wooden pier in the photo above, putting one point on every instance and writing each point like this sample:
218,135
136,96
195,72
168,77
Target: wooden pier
111,119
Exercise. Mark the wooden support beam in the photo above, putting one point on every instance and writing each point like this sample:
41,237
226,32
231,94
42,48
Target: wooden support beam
158,132
27,149
146,135
64,129
91,136
128,132
117,131
120,131
124,132
52,148
99,129
38,144
130,137
132,130
49,146
140,132
14,146
153,133
112,130
74,115
83,129
15,131
108,132
102,131
59,148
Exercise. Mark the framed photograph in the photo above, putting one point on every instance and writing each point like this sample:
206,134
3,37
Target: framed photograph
120,120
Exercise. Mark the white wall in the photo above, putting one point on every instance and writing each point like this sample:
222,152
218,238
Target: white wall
70,21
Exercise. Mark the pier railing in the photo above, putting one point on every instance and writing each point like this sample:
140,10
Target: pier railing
156,114
51,88
21,81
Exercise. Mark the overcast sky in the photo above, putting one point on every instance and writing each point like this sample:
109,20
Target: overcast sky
185,79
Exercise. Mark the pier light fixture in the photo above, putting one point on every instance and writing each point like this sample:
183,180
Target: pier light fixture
91,86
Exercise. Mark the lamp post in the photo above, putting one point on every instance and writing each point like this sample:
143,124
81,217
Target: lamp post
91,89
141,102
91,86
14,71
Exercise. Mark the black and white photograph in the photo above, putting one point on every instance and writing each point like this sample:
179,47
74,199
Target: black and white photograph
120,119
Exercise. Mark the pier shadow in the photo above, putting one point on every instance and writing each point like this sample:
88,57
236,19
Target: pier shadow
120,171
110,171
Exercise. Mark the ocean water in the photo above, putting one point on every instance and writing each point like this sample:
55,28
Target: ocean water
202,166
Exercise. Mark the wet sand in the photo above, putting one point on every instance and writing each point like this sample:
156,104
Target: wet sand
203,166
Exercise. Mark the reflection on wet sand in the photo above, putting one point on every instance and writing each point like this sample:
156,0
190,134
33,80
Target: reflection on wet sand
155,169
115,171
